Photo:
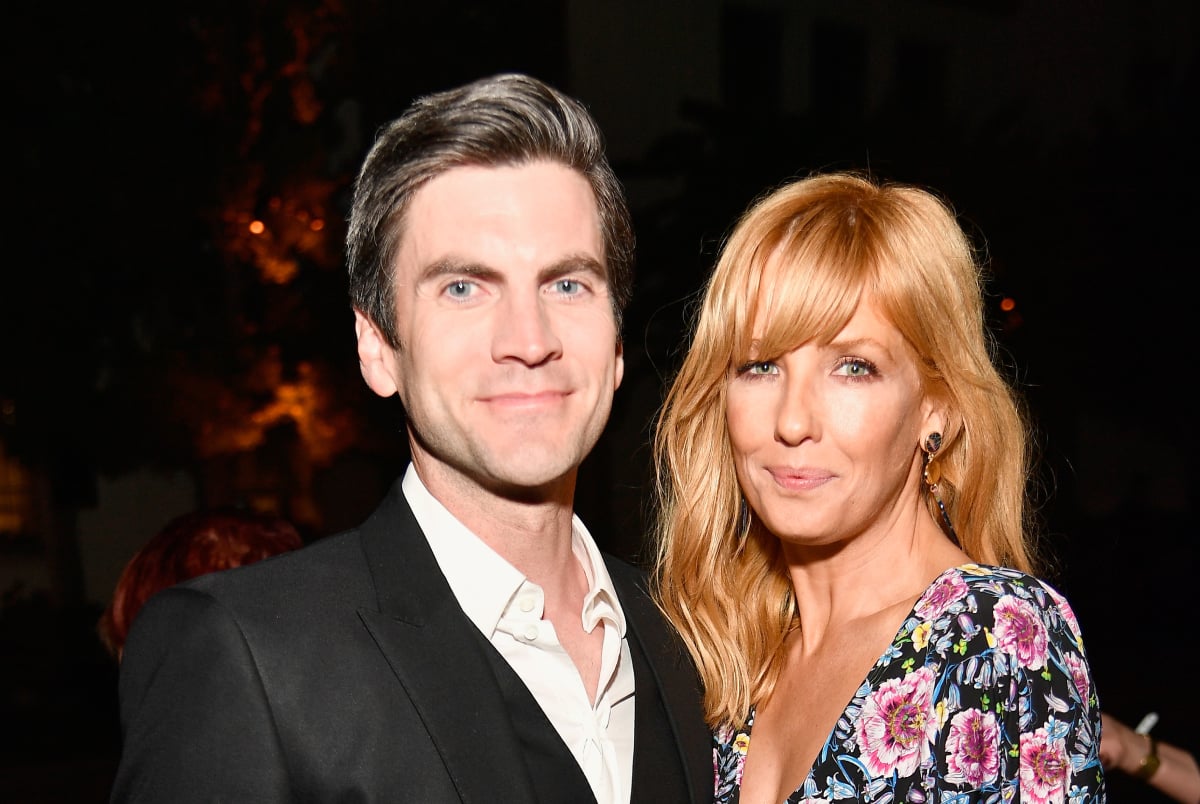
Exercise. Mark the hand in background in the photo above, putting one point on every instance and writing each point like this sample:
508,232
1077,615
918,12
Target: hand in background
1123,749
1120,746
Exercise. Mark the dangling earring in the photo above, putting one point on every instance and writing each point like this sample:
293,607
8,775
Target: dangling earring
933,473
744,521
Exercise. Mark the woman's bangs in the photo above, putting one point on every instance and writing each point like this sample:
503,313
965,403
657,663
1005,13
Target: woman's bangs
801,300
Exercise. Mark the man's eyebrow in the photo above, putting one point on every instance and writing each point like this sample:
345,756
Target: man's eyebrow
573,264
455,267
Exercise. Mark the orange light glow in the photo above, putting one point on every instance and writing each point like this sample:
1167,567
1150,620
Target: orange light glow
257,227
278,270
1007,304
317,225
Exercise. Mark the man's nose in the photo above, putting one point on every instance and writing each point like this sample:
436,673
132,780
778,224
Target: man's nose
524,331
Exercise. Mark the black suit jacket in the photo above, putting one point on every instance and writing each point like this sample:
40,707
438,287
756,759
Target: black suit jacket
346,671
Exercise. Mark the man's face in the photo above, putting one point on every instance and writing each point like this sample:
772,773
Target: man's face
509,352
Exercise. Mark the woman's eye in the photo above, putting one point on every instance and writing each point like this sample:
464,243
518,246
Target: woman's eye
855,367
759,368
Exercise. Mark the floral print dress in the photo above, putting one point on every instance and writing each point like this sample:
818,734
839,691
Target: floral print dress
984,695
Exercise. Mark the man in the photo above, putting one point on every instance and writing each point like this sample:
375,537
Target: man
468,642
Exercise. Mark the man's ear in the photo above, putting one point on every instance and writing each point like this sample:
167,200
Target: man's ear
620,365
376,358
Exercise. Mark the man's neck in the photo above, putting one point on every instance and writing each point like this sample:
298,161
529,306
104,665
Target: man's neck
533,533
531,530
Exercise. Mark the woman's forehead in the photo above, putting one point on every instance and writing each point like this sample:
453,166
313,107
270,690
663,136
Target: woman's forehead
800,305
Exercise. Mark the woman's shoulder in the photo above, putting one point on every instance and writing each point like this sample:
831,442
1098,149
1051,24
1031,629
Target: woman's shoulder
990,581
983,590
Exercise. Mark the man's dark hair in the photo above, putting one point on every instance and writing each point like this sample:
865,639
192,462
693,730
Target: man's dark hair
504,120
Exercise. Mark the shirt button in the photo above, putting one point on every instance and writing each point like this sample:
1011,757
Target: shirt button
526,604
531,632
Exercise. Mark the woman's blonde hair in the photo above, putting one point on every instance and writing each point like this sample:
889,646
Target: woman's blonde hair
793,270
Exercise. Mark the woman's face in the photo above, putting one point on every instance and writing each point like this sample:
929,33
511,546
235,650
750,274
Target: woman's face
825,438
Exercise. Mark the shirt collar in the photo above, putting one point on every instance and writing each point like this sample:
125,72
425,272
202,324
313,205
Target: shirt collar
483,582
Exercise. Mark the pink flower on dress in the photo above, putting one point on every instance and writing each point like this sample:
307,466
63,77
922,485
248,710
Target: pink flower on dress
1020,632
1044,768
937,598
898,724
974,746
1079,674
1067,612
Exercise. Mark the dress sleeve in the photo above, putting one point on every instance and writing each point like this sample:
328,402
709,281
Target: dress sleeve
1021,681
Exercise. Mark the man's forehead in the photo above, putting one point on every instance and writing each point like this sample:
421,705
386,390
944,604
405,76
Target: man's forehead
522,210
543,172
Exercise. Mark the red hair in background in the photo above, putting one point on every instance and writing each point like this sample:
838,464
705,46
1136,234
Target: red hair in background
187,546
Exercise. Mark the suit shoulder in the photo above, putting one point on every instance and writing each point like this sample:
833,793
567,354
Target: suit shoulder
332,562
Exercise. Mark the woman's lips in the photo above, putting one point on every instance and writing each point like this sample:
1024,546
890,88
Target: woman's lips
802,479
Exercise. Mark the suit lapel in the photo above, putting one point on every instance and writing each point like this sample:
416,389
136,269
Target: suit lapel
434,652
662,664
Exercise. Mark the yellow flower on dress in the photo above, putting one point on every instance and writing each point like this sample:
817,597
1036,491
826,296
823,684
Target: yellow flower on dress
921,635
742,744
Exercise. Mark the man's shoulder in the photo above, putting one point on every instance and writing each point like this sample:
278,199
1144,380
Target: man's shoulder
278,601
329,562
340,561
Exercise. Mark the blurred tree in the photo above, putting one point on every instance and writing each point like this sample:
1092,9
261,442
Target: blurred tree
175,296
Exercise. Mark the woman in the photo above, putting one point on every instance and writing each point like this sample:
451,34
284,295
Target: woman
842,534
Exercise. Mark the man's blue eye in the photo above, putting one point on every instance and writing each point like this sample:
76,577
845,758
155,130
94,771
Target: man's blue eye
568,286
461,288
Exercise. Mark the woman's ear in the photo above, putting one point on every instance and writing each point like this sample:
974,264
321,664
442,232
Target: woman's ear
376,358
936,418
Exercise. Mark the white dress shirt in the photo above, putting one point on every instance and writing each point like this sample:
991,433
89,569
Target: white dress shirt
507,609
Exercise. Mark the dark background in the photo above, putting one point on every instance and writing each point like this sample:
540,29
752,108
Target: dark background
147,333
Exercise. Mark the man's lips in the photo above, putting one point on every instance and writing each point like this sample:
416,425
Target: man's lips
525,399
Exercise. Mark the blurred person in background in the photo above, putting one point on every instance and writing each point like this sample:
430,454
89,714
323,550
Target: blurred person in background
1166,767
193,544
